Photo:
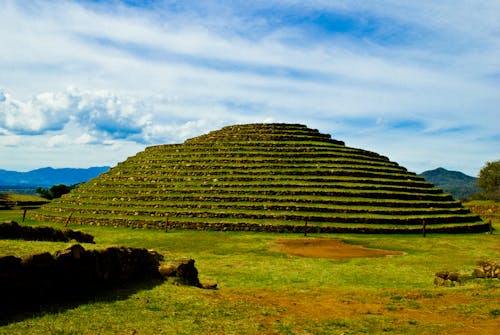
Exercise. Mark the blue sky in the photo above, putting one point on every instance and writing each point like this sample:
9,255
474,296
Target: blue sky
85,83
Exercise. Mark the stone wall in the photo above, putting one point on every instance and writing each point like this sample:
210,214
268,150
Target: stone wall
12,230
165,224
322,229
73,273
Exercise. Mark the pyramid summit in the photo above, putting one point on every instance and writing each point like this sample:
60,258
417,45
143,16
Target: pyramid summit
263,177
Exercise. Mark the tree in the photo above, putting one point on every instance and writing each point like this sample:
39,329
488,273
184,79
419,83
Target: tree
55,191
489,178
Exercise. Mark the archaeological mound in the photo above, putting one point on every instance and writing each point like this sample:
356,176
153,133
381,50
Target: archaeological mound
263,177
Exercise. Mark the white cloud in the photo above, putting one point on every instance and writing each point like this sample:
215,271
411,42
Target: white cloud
103,114
62,140
110,115
44,112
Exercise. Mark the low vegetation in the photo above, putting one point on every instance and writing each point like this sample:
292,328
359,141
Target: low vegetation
262,290
489,180
55,191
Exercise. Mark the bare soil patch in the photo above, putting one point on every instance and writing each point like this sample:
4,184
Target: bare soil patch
328,248
457,313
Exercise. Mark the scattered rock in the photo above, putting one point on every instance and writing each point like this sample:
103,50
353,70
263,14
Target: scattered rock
487,269
168,270
447,278
478,273
442,274
209,285
454,276
183,270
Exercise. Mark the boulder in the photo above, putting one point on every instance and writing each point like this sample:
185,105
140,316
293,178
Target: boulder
454,276
478,273
487,269
183,270
442,274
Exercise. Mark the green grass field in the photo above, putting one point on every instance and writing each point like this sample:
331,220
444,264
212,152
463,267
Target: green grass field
263,291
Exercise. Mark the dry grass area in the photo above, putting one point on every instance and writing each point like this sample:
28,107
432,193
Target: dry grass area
443,312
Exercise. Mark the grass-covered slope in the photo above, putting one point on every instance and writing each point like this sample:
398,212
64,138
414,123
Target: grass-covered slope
273,177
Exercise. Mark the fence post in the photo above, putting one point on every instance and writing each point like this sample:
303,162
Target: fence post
24,214
68,219
305,229
491,227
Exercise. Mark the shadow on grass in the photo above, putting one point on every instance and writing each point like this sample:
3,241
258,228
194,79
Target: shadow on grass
15,310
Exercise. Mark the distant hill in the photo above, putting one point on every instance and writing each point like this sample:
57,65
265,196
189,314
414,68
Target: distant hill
456,183
48,176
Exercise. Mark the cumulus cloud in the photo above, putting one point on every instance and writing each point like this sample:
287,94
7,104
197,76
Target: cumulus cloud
61,140
102,114
75,117
117,117
47,111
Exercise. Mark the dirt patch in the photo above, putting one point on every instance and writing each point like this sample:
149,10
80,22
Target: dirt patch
456,313
328,248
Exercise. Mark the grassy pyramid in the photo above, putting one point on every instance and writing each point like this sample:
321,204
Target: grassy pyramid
263,177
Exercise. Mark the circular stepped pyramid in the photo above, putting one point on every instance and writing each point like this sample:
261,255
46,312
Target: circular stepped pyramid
263,177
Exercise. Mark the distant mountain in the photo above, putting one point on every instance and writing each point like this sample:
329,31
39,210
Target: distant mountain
48,176
458,184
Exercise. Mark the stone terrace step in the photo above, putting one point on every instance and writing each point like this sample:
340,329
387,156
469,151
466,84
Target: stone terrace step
164,179
182,198
151,207
261,175
288,216
408,195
